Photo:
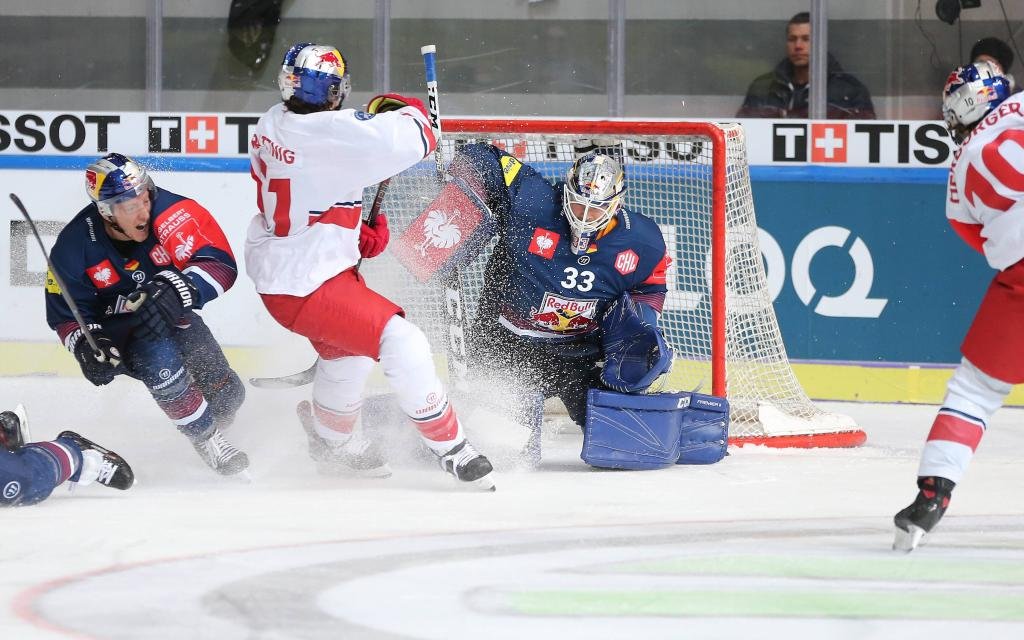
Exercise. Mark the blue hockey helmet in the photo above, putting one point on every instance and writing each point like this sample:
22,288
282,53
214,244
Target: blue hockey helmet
115,178
316,74
971,93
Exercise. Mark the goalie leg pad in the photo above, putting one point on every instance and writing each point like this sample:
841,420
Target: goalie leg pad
704,430
628,431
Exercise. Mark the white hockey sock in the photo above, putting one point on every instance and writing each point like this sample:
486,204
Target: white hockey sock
971,398
409,368
337,396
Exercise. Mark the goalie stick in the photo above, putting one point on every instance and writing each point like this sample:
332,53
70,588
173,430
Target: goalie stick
97,352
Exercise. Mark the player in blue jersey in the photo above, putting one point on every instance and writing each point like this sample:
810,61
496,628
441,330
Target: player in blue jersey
30,471
565,252
138,262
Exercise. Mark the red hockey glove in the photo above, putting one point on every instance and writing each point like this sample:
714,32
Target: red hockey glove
373,240
393,102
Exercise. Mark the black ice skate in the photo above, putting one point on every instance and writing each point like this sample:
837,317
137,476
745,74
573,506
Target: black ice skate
466,465
114,472
221,456
923,514
357,456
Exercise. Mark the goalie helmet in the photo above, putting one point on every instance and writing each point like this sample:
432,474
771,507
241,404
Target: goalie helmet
315,74
592,195
115,178
971,92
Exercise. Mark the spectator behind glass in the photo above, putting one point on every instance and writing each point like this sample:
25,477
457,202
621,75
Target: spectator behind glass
995,50
783,93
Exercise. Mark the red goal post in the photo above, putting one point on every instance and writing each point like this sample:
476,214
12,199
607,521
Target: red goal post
692,178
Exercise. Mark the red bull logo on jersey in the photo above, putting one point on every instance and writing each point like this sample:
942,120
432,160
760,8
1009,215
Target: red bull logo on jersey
557,313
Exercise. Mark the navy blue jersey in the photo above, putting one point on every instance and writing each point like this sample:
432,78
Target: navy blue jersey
100,273
534,285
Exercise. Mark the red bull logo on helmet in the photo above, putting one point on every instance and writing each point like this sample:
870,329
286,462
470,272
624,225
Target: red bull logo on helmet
332,57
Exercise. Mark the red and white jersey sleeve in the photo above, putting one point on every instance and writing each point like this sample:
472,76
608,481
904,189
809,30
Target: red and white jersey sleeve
985,195
310,172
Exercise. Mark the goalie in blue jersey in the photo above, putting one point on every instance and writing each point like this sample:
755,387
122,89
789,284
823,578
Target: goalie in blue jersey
568,255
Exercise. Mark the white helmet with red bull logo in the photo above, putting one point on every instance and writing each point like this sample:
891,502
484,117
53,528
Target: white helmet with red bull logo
115,178
592,195
314,74
971,92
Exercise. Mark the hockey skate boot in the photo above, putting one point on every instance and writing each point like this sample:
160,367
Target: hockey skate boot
465,464
923,514
221,456
358,456
99,464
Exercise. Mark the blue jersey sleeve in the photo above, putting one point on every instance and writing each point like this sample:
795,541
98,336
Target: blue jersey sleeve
497,176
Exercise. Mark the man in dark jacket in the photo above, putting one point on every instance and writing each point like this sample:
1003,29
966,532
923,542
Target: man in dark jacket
783,93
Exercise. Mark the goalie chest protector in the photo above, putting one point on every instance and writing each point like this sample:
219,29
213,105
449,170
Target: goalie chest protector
539,288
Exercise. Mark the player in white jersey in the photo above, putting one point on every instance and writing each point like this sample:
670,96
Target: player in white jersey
311,160
985,206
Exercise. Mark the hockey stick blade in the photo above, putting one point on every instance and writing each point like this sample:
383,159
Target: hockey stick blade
300,379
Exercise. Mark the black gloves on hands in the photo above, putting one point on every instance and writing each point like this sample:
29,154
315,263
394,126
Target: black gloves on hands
99,368
161,302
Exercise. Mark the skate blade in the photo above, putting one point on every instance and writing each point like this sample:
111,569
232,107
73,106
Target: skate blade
907,541
483,484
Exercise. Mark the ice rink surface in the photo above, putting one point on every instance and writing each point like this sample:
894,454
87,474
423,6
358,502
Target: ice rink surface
765,544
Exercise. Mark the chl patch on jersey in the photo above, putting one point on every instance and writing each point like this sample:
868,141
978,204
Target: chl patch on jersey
51,283
544,243
626,262
558,313
510,169
103,274
159,256
362,115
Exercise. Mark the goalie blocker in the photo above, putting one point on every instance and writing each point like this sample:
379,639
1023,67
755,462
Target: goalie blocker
433,245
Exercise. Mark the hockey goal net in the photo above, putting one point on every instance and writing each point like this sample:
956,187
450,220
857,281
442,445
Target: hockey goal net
692,178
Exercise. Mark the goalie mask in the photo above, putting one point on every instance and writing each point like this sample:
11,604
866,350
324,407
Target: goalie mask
592,195
113,179
971,93
315,74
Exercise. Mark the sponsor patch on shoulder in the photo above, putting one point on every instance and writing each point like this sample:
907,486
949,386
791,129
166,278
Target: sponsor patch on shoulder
362,115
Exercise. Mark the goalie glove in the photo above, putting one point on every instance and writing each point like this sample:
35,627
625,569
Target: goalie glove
393,102
635,349
374,239
161,302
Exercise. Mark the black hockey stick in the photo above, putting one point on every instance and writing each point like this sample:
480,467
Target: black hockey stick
97,352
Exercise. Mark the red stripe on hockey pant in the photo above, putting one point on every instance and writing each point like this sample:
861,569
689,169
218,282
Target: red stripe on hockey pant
339,422
184,405
440,429
61,456
954,429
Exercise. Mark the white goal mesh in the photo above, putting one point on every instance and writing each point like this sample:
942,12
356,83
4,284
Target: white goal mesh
718,315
